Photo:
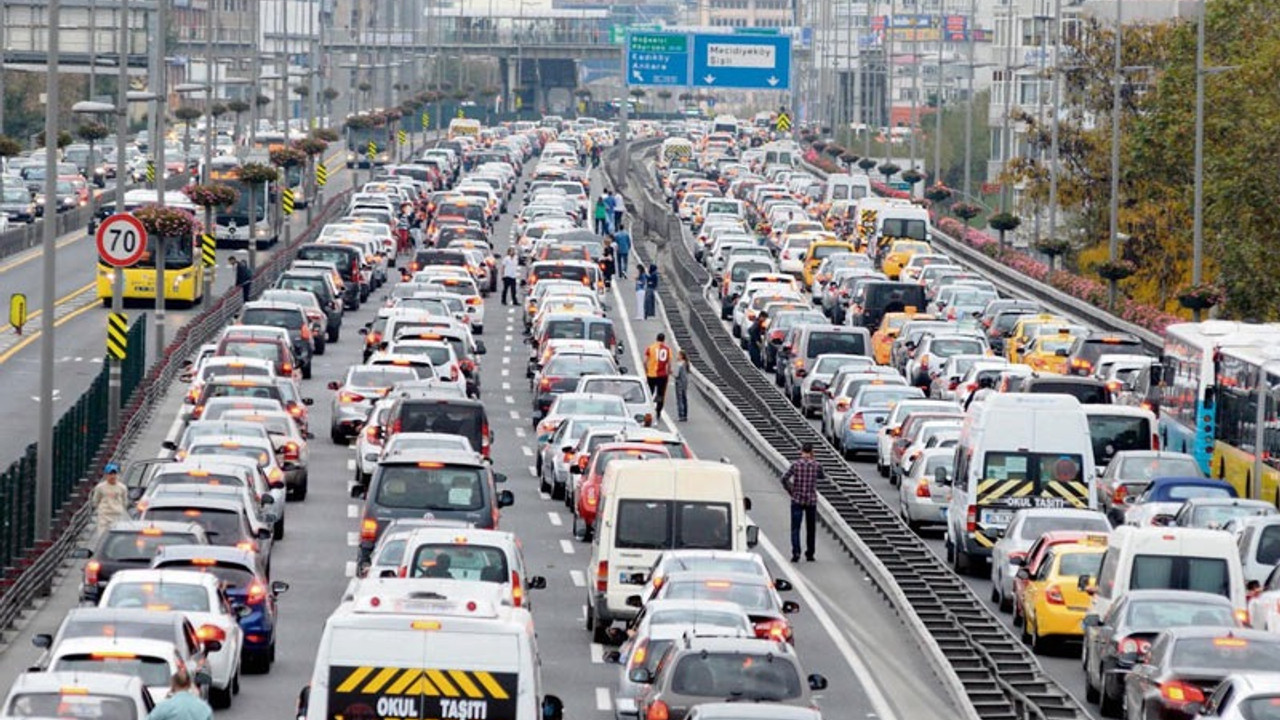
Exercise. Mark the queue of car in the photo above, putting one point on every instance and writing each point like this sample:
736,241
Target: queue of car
1013,430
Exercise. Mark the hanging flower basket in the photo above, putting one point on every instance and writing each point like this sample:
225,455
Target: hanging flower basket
848,158
1116,271
819,146
912,176
938,193
1053,247
311,146
167,222
1201,297
888,169
359,121
966,211
835,151
866,164
328,135
287,157
1004,222
212,195
256,173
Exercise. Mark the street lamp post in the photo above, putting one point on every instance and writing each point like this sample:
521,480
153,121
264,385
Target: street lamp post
1054,140
1117,82
44,458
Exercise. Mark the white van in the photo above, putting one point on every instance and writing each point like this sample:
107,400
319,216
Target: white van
847,187
1016,451
649,506
1169,558
410,648
1120,427
903,220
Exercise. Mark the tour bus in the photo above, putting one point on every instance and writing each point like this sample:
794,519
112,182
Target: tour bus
234,226
183,269
1185,383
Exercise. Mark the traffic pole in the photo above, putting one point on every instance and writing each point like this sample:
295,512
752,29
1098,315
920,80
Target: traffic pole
45,454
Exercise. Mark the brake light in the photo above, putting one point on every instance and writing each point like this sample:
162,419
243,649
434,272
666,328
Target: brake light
1181,693
1118,495
1053,595
91,572
291,450
368,530
922,489
1133,645
517,590
545,384
591,495
778,630
257,593
286,369
842,404
371,435
295,410
306,331
602,576
210,632
857,423
971,519
346,396
474,301
373,338
247,545
658,711
640,653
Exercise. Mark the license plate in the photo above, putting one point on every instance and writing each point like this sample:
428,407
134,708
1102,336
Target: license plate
997,517
426,606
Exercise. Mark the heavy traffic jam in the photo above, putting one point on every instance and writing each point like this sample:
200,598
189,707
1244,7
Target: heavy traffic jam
1101,487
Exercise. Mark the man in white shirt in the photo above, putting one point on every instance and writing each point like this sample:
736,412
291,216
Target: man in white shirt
619,209
510,274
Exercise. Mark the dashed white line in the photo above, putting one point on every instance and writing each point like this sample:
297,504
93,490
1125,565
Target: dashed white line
353,510
353,539
528,451
350,570
520,432
515,415
567,547
579,578
554,517
506,372
510,399
533,472
351,464
596,649
506,386
543,496
506,359
603,701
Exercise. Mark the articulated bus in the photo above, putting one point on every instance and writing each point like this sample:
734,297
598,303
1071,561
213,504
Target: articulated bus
232,226
1234,449
183,270
1186,394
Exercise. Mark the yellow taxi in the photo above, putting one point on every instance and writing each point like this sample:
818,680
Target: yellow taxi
819,250
1053,605
890,325
900,251
1048,352
1026,328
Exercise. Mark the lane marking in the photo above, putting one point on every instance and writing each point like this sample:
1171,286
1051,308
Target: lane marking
528,451
506,386
554,517
506,373
515,415
350,570
506,349
351,465
520,432
595,650
875,697
544,496
510,400
579,578
603,700
506,360
567,547
638,359
353,539
533,472
353,511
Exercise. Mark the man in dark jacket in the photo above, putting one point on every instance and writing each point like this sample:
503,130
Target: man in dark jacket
244,276
755,339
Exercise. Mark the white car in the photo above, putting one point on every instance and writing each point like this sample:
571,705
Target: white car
151,661
76,695
887,434
201,598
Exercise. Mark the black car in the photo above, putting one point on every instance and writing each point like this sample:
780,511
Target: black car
436,412
874,299
433,484
130,545
349,263
314,283
1084,353
290,317
1111,643
1173,680
1089,391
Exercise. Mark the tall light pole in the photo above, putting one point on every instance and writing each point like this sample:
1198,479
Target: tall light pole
1117,82
255,77
161,90
937,111
1006,132
1054,141
1042,24
968,115
44,458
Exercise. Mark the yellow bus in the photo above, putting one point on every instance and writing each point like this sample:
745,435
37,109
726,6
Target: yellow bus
183,269
464,126
1237,371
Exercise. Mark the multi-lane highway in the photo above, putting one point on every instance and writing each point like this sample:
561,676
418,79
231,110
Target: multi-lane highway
844,630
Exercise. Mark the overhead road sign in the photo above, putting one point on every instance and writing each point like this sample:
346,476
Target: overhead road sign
659,59
742,62
122,240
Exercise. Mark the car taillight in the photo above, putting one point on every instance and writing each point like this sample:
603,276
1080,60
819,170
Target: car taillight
922,489
517,590
1053,595
368,530
210,632
971,519
658,711
591,495
295,410
257,593
474,301
1118,495
952,384
247,545
602,576
486,439
1181,693
92,570
306,331
373,338
1084,367
291,450
798,363
1133,645
286,369
346,396
842,404
778,630
857,423
371,435
545,384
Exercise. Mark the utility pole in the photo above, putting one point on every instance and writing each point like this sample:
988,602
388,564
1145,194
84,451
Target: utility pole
1056,122
93,52
937,109
968,115
888,83
44,456
255,61
1006,132
114,373
161,90
1117,81
1042,26
1197,203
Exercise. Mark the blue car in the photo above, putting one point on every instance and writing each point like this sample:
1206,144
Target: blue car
858,429
252,595
1164,496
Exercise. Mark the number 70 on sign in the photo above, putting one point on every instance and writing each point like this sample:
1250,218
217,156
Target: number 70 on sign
121,240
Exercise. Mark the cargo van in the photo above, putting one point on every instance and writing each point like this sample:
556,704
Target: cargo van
1016,451
1168,558
1120,427
418,648
847,187
650,506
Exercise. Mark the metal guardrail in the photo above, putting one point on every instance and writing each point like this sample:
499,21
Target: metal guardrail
1000,678
35,565
1014,283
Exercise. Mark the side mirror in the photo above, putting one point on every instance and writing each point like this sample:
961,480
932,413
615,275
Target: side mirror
1091,621
566,449
480,348
363,331
782,585
1023,574
202,677
334,385
753,535
169,445
537,582
1193,709
790,607
268,500
82,553
499,477
1018,561
265,533
635,601
575,469
43,640
641,676
279,587
998,532
746,501
622,370
1082,584
612,657
817,682
308,402
506,499
358,492
212,646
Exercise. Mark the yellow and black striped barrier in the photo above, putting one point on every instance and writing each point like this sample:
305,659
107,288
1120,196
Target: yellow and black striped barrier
426,119
286,201
404,137
208,249
372,150
151,171
784,122
322,174
117,335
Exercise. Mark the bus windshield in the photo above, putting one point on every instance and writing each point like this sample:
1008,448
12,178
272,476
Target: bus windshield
177,255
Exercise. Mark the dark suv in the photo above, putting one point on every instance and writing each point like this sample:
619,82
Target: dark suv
436,412
1089,391
287,316
130,545
349,263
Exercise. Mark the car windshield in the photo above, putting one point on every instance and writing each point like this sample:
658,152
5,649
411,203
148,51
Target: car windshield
578,365
82,706
430,486
1180,572
667,524
957,346
748,596
611,406
221,526
1217,516
1226,653
248,452
138,546
439,355
691,616
159,596
288,319
380,376
209,372
1164,613
1178,493
1149,468
259,350
235,576
1080,563
1265,706
821,343
884,398
460,562
629,390
151,670
1035,526
736,675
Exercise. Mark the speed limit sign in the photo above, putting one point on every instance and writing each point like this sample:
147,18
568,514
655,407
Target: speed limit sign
122,241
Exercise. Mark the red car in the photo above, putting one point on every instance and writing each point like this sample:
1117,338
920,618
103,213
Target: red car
589,489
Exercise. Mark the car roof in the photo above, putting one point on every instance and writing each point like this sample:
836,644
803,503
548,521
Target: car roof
410,456
97,683
220,553
164,526
182,577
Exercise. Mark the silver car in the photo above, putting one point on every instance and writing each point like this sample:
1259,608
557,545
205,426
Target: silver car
814,387
1026,527
1244,696
661,623
922,500
1129,473
353,398
631,388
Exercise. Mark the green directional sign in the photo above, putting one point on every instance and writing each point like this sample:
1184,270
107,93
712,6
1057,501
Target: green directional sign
618,33
654,42
755,31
